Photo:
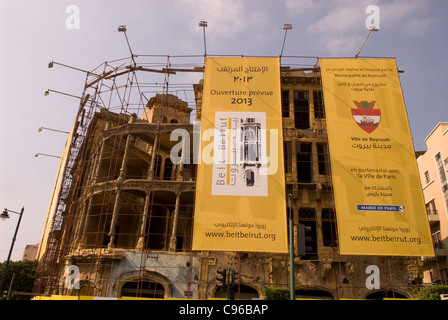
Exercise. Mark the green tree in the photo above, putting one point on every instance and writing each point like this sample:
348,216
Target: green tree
431,292
276,293
24,275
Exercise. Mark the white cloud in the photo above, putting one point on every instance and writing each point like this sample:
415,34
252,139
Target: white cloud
225,17
338,21
341,29
233,25
305,7
408,17
419,26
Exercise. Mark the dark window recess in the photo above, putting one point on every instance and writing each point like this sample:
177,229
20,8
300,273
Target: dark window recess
158,167
144,289
431,207
322,162
156,225
437,240
319,112
428,179
329,229
287,156
168,169
304,162
285,104
106,236
301,109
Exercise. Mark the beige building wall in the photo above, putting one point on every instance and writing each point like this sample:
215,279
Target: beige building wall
30,252
54,197
433,166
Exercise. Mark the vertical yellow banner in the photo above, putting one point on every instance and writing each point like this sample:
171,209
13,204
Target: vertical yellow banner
240,190
378,197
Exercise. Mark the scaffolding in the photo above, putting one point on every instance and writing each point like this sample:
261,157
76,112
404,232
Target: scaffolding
125,211
103,148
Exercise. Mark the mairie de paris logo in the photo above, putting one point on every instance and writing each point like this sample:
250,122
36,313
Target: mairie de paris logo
365,116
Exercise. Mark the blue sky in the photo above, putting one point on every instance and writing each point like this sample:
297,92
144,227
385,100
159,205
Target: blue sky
34,32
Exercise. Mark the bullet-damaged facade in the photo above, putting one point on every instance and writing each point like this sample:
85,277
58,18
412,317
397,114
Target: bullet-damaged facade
127,219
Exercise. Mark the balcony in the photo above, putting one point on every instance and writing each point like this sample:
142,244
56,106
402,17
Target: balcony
440,252
439,249
433,216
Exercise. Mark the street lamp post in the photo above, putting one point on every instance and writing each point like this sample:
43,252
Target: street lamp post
46,155
368,34
42,128
292,279
4,216
286,27
203,24
122,28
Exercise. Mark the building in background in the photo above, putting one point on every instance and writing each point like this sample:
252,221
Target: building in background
433,169
30,252
122,212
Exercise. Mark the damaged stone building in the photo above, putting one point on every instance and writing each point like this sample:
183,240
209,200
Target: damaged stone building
124,216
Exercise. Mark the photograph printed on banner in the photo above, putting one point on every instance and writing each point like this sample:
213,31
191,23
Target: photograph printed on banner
239,161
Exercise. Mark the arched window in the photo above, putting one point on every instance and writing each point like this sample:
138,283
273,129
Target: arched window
143,289
380,295
243,292
247,293
313,294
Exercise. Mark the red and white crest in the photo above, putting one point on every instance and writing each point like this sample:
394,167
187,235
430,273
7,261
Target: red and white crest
365,116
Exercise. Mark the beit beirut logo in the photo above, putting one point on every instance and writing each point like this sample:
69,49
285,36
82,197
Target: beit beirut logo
365,116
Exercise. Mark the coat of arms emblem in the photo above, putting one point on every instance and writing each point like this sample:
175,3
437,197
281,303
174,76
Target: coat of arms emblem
365,116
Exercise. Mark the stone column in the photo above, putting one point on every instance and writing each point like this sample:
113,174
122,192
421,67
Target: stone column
80,221
185,154
173,239
153,157
114,220
141,238
97,167
123,168
98,162
81,235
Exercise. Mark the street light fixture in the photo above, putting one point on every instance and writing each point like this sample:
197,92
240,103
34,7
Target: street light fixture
47,92
52,63
203,24
368,34
42,128
122,28
46,155
286,27
5,216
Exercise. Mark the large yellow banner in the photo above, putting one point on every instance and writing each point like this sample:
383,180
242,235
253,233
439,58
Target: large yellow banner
378,197
240,190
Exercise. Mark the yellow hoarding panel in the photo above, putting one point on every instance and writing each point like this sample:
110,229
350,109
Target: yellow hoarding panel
378,197
240,190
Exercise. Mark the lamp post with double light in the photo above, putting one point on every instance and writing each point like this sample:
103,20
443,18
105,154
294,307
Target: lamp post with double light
3,217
